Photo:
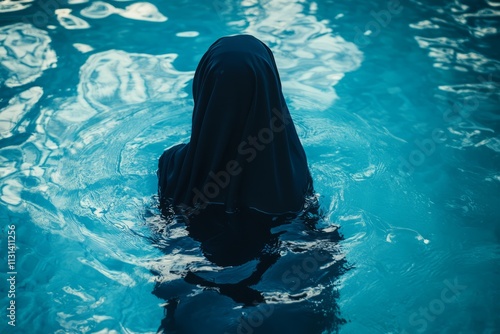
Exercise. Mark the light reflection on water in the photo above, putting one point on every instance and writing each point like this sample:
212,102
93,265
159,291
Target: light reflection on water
77,166
25,54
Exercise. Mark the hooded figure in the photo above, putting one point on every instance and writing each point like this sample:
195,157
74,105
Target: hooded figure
243,174
244,152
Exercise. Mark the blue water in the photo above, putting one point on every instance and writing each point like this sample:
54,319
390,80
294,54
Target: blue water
396,103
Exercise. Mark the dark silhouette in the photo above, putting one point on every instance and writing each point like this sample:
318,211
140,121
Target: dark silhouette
254,260
244,151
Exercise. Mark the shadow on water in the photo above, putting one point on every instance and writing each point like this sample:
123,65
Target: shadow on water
248,272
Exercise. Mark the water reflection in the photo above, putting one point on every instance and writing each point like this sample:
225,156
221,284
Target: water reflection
454,40
248,272
80,167
25,53
116,78
70,21
81,172
311,57
143,11
11,117
14,6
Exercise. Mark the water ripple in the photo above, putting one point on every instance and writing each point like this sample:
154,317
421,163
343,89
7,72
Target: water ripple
11,117
14,6
72,185
116,78
69,21
24,54
469,90
447,54
452,52
311,57
81,162
142,11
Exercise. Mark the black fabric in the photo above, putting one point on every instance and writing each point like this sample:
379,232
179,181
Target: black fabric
244,151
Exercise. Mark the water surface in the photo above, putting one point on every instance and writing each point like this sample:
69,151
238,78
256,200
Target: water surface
397,105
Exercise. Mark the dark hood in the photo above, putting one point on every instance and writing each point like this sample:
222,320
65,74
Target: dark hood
244,151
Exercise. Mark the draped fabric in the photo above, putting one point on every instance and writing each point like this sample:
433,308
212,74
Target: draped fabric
244,151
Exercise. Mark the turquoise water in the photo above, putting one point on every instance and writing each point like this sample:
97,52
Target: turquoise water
396,103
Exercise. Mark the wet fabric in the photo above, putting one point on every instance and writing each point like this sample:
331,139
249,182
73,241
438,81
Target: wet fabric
244,151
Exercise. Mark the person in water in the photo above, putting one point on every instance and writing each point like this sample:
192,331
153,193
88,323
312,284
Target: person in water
243,174
244,152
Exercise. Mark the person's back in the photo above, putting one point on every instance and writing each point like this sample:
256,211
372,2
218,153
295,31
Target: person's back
244,152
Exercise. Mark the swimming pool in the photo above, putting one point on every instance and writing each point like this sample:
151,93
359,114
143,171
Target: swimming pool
396,104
